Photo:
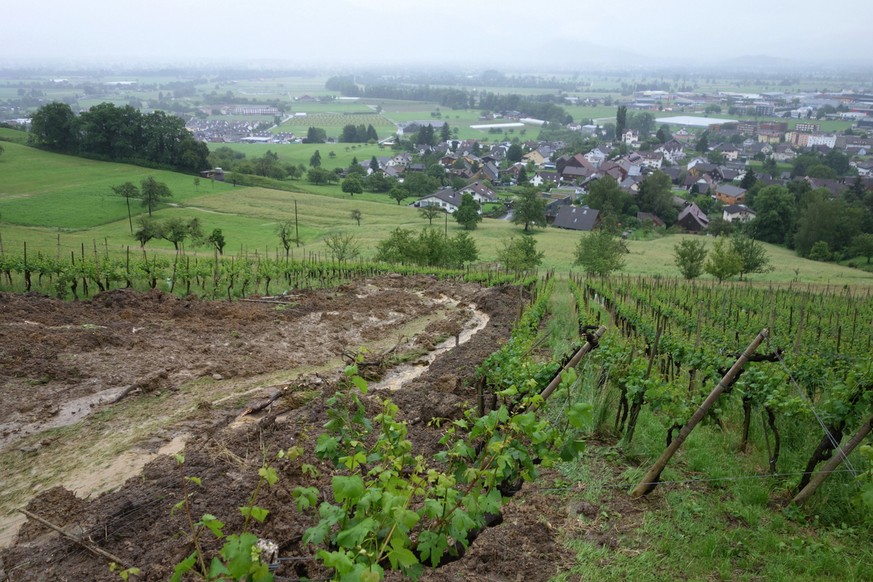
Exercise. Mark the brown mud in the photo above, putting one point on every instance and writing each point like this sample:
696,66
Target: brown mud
184,373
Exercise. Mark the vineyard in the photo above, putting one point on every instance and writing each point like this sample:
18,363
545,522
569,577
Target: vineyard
565,398
86,273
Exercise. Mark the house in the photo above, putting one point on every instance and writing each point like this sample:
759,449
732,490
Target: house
729,194
596,157
577,218
631,138
480,192
652,160
692,218
446,198
648,217
738,213
535,156
544,177
489,171
577,161
672,150
213,174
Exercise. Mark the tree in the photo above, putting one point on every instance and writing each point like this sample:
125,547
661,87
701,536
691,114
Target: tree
748,180
752,254
176,230
216,239
467,213
862,246
664,134
379,182
352,185
832,221
775,210
315,135
445,132
1,150
127,190
429,248
420,184
356,216
529,209
514,153
320,176
620,121
600,253
520,254
53,126
820,251
607,196
430,211
399,193
286,231
722,262
153,193
148,229
702,145
656,196
689,255
343,247
374,164
315,160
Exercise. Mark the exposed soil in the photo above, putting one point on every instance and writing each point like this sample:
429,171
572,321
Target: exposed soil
186,372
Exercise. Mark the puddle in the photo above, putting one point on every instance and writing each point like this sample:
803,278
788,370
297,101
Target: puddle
395,379
95,480
67,413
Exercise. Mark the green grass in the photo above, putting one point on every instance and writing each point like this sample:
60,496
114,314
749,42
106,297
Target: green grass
58,191
300,153
44,194
726,525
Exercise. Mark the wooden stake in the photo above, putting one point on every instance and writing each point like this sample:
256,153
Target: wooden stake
650,481
87,545
836,458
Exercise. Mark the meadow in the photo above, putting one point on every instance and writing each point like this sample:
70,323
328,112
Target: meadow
59,203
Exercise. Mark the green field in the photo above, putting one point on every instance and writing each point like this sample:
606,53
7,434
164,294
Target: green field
44,196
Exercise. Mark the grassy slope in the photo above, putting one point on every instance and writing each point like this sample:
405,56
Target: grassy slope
717,515
42,194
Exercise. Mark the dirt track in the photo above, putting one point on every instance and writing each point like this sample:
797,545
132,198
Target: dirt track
186,370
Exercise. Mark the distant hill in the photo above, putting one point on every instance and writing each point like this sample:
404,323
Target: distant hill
579,53
759,63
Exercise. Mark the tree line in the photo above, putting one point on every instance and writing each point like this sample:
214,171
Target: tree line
543,107
121,134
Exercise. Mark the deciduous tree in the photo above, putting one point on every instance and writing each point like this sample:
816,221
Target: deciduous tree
722,262
689,255
467,213
430,211
153,193
752,254
529,209
600,253
520,254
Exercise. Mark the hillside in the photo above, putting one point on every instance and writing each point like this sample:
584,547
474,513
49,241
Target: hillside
48,198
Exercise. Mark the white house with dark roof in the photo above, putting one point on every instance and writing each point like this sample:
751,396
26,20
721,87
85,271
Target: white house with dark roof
737,213
446,198
480,192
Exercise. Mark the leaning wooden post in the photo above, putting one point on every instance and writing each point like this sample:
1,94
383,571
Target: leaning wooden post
574,361
650,481
836,458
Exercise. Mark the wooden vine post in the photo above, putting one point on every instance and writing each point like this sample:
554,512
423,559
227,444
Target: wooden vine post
650,481
574,361
834,461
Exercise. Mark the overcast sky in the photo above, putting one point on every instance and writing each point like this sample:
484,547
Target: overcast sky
479,33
